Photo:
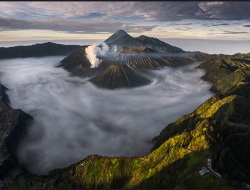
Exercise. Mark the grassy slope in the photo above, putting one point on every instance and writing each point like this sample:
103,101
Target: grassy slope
227,72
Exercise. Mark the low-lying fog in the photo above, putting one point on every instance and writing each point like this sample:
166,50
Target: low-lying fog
73,118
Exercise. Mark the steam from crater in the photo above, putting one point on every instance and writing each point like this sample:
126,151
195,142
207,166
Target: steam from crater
93,51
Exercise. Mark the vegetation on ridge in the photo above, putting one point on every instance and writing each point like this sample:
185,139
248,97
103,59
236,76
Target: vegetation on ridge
227,72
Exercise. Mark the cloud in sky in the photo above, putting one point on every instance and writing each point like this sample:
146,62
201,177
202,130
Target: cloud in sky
173,24
71,26
222,24
25,12
161,11
134,17
89,16
231,32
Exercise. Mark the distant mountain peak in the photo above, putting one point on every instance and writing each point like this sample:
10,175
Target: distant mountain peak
142,37
118,34
121,38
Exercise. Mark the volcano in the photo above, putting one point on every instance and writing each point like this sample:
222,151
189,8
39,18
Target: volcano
146,58
121,38
117,35
135,58
119,76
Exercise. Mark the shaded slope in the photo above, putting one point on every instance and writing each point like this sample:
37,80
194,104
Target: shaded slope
77,58
119,76
38,50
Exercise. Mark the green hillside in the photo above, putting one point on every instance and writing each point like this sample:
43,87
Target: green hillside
227,72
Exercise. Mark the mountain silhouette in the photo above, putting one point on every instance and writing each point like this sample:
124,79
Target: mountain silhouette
118,34
38,50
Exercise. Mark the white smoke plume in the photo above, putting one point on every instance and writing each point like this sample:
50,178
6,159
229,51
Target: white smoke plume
93,51
105,49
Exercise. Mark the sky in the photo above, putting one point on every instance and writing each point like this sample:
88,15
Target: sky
85,20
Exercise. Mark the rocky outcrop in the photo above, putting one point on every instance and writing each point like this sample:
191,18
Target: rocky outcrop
13,126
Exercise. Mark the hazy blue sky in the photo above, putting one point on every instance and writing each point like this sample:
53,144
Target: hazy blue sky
41,20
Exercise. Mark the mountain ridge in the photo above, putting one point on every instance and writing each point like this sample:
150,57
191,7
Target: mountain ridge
38,50
141,41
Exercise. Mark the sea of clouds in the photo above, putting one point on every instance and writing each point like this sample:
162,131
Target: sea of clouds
73,118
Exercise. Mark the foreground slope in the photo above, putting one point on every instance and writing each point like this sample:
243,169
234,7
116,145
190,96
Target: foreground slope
119,76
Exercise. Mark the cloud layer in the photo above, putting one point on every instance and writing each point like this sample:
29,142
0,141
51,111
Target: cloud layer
74,119
71,26
92,17
161,11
